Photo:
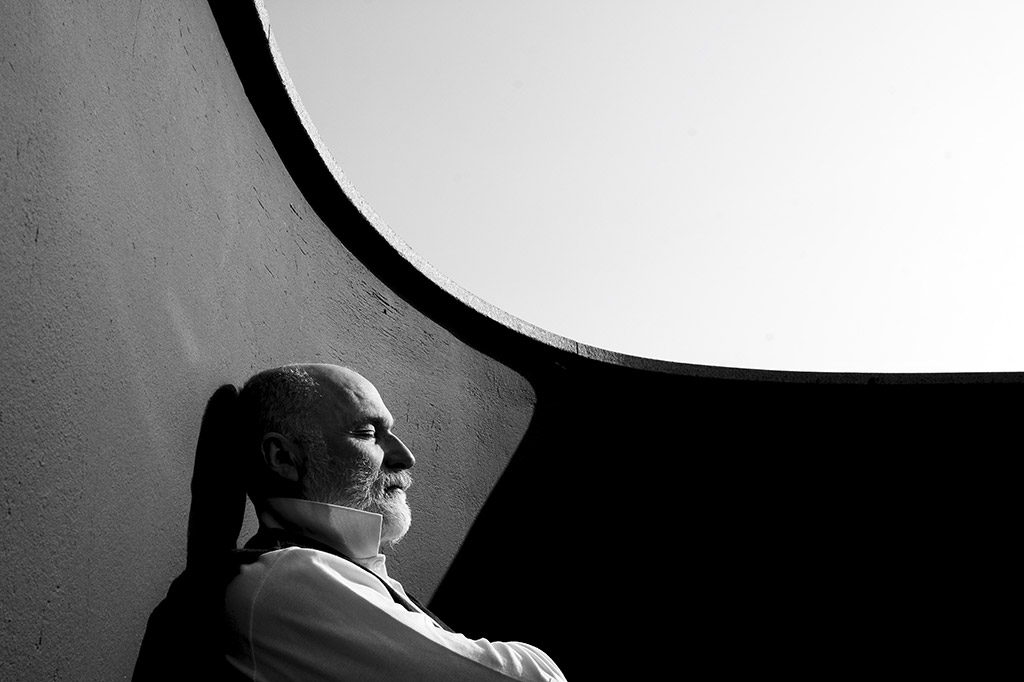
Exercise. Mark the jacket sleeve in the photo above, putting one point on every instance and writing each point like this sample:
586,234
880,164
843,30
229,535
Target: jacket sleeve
300,614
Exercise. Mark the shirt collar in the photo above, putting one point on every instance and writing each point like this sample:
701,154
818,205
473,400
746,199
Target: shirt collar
353,532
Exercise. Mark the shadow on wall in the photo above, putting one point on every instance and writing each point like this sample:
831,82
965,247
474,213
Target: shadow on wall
652,522
184,631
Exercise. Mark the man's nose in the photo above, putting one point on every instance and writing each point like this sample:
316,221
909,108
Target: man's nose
396,455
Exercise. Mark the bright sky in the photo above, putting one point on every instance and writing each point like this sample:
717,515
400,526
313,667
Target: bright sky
801,185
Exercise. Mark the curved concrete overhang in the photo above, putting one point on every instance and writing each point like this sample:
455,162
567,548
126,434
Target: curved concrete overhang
249,35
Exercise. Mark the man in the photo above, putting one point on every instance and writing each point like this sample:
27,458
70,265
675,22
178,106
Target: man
328,476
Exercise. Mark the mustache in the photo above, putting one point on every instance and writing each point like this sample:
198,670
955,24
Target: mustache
394,479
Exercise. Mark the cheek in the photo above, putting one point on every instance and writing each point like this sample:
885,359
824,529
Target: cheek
362,463
355,455
370,457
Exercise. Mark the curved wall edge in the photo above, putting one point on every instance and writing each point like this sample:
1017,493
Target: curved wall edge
317,153
378,224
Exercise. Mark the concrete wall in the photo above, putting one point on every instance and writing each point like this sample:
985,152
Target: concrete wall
154,247
171,223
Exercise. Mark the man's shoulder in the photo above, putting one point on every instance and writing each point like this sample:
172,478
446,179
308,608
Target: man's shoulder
297,573
290,561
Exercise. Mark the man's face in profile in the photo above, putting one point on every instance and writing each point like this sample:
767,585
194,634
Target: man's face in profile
360,463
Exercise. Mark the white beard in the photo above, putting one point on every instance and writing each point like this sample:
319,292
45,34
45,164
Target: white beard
360,487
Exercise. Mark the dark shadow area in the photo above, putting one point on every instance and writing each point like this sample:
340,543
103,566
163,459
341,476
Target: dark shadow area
183,634
652,522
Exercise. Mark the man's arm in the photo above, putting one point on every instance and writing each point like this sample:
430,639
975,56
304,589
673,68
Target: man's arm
300,614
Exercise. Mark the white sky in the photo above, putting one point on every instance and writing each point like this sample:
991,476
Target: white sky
783,184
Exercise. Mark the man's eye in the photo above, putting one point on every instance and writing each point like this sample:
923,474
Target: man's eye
364,433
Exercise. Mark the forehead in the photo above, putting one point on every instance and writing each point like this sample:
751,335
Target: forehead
350,397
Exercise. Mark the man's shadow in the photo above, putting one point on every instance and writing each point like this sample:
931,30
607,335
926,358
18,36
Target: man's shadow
183,634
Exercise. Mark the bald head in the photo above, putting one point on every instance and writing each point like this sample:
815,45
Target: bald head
342,390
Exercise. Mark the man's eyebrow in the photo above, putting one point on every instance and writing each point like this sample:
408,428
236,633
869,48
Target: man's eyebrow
379,421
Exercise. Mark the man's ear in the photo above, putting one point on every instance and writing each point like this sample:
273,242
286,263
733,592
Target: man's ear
282,455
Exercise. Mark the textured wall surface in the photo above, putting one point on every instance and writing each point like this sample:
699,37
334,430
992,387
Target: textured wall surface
153,248
171,224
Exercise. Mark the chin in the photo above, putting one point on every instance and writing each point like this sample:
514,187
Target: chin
397,520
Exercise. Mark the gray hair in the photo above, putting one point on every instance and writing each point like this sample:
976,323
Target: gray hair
283,400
